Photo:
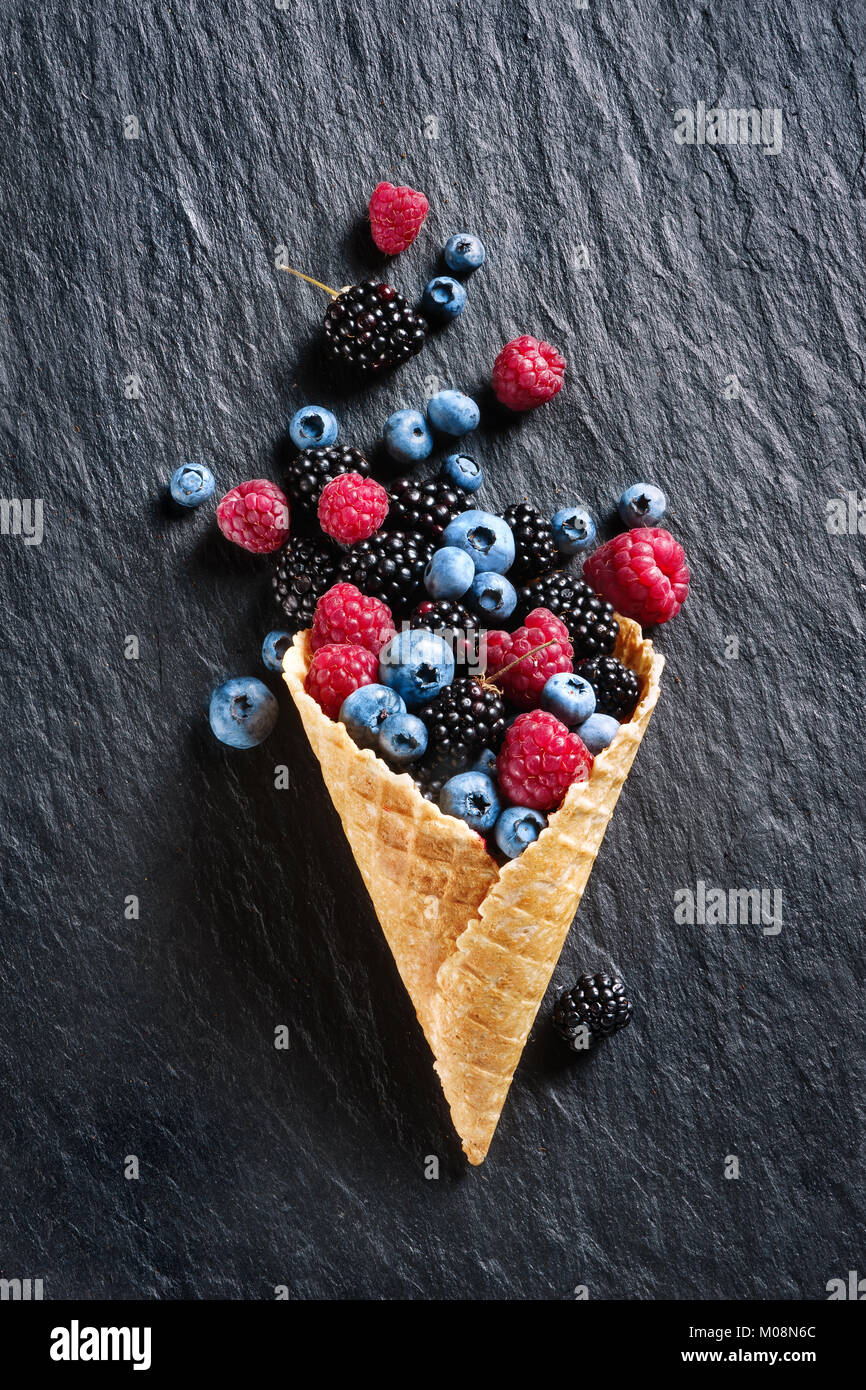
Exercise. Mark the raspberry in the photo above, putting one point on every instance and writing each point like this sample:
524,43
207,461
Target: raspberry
352,508
396,215
336,671
255,515
527,373
643,573
539,761
523,682
346,617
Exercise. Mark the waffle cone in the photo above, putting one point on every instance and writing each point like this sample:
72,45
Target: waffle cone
475,945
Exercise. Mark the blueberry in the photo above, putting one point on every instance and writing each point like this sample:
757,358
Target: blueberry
450,412
486,763
493,596
274,648
403,738
365,711
642,505
464,253
573,530
243,712
444,298
191,484
407,436
463,471
471,796
484,536
313,427
598,731
569,697
449,573
518,827
417,664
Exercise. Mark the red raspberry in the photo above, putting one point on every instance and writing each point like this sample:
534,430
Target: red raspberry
522,683
539,761
336,671
396,215
255,515
527,373
643,573
346,617
351,508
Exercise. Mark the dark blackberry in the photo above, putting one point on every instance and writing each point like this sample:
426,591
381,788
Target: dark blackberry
456,624
535,551
596,1008
591,625
306,569
430,778
307,474
371,327
390,566
465,718
617,689
427,507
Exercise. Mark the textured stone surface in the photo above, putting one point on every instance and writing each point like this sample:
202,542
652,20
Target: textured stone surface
544,131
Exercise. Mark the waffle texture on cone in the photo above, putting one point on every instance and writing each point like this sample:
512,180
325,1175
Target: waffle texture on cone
475,945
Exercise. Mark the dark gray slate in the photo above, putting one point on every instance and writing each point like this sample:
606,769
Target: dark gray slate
154,258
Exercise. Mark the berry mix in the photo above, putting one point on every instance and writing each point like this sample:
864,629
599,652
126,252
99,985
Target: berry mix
470,648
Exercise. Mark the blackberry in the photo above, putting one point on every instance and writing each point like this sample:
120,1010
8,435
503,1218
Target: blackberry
535,551
307,474
596,1008
616,687
453,622
427,507
464,718
371,327
390,566
306,569
430,777
591,625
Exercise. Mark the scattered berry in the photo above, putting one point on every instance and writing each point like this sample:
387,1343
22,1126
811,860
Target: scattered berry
643,573
450,412
255,516
403,738
390,566
535,551
346,616
449,573
539,760
407,436
598,732
313,427
365,710
309,473
274,648
243,712
471,797
464,253
371,327
642,505
463,471
591,625
427,507
484,536
596,1008
305,570
417,664
352,508
464,719
522,662
191,484
617,689
396,217
570,697
527,373
573,530
444,298
492,595
336,671
517,828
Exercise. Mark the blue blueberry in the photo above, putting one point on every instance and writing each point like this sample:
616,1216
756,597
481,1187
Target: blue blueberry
484,536
313,427
403,738
450,412
464,253
573,530
471,796
449,573
417,664
407,436
569,697
598,731
463,471
486,763
642,505
365,711
274,648
444,298
492,595
243,712
517,828
191,484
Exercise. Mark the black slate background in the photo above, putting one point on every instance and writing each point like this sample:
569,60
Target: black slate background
155,257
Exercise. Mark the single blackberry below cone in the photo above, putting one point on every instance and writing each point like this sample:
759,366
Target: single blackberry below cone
464,718
595,1008
456,624
371,327
591,625
426,507
306,569
535,551
390,566
308,474
617,689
